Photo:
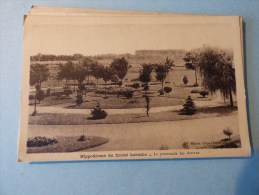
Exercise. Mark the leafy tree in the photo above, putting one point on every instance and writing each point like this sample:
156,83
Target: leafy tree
145,73
115,79
39,95
218,72
169,63
161,73
87,64
97,71
189,107
106,76
38,74
66,71
190,59
228,132
79,73
120,67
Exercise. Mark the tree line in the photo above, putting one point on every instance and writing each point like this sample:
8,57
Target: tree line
86,68
214,66
50,57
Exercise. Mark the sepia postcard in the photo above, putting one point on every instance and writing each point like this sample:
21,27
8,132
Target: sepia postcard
119,85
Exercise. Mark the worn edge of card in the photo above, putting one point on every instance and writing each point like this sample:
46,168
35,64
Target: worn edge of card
203,153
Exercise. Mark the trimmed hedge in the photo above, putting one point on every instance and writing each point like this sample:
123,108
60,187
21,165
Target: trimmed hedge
41,141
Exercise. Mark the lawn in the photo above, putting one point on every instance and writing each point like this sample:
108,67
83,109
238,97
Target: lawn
69,144
176,97
80,119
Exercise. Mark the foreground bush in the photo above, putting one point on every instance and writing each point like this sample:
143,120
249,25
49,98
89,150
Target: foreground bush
98,113
189,107
40,141
167,89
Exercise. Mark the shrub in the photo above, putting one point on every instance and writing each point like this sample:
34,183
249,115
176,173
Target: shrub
128,93
79,99
188,107
146,87
136,85
82,138
185,79
228,132
40,141
98,113
120,83
68,92
161,92
203,93
164,147
168,89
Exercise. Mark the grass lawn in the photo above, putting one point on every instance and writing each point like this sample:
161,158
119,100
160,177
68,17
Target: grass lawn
80,119
176,97
69,144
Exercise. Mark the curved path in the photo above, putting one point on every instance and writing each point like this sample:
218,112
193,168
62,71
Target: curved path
61,110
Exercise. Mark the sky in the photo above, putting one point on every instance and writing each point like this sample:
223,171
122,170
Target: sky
126,38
